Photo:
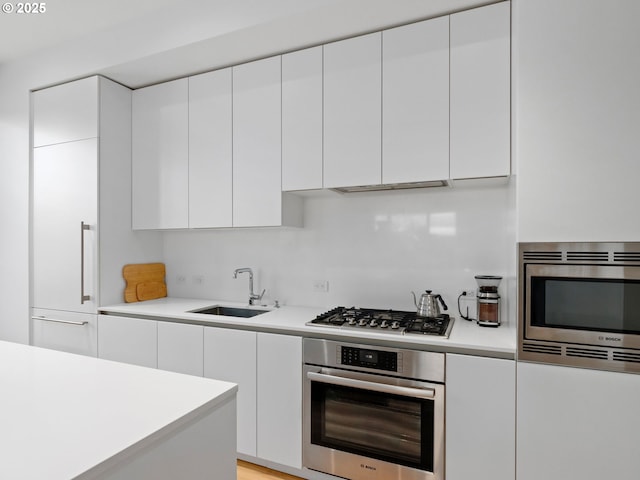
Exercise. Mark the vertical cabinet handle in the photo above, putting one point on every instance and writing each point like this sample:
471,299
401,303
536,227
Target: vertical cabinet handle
83,297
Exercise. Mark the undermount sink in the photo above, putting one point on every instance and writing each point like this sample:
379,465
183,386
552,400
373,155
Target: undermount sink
230,311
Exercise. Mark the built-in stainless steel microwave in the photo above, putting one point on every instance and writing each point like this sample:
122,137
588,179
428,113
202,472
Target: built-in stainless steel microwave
579,304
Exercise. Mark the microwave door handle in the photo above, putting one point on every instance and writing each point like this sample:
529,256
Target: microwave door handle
376,387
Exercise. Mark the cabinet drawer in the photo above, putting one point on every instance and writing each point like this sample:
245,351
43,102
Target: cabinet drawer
65,331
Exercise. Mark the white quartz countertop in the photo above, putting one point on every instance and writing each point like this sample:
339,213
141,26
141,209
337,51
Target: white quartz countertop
61,414
466,337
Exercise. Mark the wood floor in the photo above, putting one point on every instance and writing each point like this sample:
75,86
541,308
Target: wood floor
249,471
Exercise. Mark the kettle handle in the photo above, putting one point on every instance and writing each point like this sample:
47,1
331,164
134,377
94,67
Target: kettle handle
444,305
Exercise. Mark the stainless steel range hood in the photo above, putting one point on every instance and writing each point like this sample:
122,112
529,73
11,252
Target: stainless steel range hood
391,186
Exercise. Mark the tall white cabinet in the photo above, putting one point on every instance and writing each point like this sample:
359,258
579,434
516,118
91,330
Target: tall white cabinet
577,423
81,157
576,124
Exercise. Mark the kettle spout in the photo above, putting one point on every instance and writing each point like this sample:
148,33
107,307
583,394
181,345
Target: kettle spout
415,300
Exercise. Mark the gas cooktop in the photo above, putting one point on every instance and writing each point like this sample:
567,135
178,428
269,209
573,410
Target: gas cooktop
384,321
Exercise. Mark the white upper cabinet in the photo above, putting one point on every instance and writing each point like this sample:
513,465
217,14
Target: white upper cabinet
66,113
161,156
415,102
257,184
302,120
258,200
352,112
210,150
480,92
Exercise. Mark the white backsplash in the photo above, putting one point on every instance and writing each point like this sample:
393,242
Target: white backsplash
373,249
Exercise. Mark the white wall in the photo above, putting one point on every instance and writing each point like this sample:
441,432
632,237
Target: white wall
372,248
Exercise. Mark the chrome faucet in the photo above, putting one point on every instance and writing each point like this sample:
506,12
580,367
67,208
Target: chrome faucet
252,296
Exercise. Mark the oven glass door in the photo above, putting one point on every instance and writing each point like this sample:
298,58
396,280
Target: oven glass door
385,426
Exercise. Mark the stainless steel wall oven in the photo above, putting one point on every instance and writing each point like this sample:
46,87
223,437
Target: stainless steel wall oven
579,304
373,412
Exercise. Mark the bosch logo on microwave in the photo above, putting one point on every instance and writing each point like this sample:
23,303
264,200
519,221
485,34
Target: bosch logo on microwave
610,339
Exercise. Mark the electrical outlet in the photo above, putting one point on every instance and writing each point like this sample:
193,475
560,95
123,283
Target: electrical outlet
180,279
470,295
197,279
321,286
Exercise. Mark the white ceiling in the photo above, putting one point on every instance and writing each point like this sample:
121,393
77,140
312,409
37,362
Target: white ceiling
156,40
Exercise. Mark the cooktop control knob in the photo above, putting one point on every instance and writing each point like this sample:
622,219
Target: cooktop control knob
384,324
373,323
395,325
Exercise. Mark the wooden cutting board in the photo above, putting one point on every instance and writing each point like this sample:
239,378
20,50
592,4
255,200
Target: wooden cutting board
145,281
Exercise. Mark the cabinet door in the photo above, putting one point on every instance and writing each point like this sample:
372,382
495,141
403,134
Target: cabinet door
128,340
180,348
480,406
280,399
65,195
480,92
210,147
577,423
352,112
257,162
66,331
415,102
161,156
66,112
230,355
302,120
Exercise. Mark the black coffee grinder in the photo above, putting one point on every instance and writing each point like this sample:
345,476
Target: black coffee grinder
488,300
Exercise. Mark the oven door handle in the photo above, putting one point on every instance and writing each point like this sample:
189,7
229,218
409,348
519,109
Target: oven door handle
376,387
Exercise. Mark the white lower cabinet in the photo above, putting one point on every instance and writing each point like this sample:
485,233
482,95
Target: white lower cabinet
279,436
180,348
65,331
575,423
230,355
128,340
480,418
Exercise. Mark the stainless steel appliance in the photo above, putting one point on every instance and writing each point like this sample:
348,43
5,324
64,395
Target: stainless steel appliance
428,306
372,412
579,304
488,300
395,322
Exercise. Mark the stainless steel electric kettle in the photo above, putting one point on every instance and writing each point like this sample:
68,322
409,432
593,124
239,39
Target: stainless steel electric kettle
428,306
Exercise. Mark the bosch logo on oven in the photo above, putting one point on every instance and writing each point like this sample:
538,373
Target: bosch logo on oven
368,467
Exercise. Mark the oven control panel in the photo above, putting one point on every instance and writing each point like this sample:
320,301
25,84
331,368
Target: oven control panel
367,358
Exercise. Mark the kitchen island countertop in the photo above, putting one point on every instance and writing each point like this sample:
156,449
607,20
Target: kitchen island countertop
466,337
69,416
